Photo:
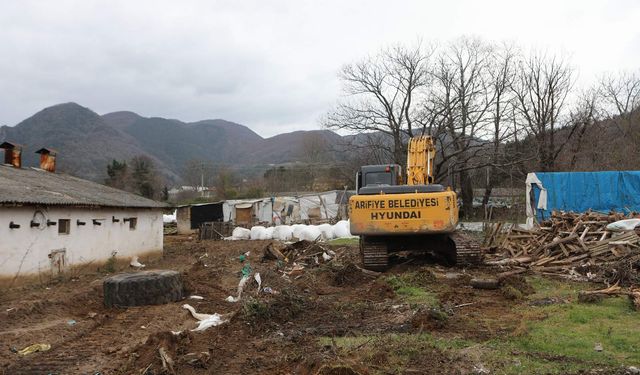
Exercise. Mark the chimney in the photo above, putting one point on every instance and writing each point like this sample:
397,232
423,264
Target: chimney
12,154
47,159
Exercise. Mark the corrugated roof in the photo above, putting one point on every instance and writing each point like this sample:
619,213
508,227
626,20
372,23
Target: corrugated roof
35,186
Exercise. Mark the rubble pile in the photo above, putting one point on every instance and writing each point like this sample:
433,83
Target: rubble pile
587,246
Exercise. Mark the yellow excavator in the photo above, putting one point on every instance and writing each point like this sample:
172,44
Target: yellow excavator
391,216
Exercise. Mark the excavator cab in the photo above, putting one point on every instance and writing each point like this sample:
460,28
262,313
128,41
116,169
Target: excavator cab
378,175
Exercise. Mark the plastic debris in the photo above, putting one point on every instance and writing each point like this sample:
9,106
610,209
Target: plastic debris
205,320
212,321
71,322
598,347
623,225
242,257
135,263
258,280
240,288
269,290
246,270
196,297
34,348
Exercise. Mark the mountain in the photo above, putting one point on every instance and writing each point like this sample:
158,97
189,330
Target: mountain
86,142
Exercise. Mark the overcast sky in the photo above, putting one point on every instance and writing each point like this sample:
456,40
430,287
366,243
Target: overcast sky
270,65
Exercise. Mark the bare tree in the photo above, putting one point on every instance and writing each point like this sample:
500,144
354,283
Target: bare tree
541,89
621,97
383,95
502,73
460,106
584,117
620,108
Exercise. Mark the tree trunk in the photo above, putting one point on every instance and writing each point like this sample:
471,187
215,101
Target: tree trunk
466,192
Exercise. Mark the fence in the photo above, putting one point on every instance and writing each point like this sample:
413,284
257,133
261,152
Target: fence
215,230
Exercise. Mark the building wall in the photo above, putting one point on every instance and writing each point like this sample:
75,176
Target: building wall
183,220
25,251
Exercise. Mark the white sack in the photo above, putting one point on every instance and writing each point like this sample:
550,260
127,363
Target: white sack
341,229
282,233
310,233
297,230
327,231
240,233
269,233
258,232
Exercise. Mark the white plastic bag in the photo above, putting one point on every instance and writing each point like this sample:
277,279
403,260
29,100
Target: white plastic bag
623,225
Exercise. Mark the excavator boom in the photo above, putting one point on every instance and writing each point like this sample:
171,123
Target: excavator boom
421,153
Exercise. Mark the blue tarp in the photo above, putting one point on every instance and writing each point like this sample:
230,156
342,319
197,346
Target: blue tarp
581,191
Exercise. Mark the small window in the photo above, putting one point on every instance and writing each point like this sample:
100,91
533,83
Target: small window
64,226
133,221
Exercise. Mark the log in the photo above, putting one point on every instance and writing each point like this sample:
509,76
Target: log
485,283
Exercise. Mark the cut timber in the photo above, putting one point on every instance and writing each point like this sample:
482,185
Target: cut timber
143,288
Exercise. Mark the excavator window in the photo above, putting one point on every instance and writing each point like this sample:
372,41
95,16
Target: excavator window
379,178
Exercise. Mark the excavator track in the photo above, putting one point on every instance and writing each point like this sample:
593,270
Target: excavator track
468,251
375,255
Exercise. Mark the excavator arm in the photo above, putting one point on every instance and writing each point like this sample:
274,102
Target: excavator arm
421,153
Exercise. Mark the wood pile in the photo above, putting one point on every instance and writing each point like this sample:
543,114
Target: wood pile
308,253
564,242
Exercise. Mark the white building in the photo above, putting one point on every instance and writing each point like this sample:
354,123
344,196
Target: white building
50,222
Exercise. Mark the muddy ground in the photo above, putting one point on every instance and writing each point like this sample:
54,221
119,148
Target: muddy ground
291,332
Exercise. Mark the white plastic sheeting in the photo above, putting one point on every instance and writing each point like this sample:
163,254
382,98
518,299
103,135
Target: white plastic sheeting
319,206
169,218
285,210
542,201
